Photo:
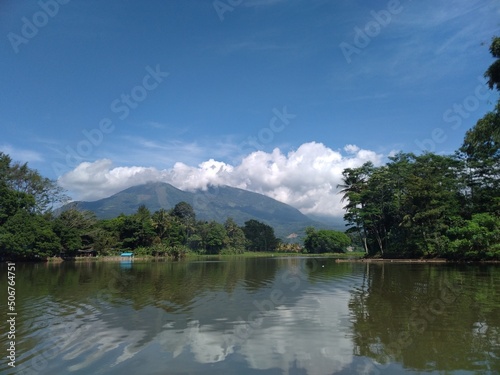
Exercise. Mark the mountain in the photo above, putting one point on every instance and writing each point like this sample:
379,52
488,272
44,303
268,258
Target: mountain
215,203
332,222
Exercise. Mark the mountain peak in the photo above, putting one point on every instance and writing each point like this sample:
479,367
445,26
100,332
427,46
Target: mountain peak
214,203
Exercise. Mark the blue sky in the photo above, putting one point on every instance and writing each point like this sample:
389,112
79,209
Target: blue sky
274,96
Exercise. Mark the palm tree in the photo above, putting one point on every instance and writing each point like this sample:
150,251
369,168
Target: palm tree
160,221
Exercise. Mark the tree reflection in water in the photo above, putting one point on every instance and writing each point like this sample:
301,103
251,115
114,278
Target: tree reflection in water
429,317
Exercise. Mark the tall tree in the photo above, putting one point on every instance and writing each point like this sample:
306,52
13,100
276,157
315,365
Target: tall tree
260,236
161,220
354,183
430,204
12,201
24,195
480,153
236,236
137,230
21,178
493,72
215,237
74,229
184,212
480,150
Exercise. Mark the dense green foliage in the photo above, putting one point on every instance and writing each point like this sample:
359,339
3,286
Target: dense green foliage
432,205
260,236
325,241
28,231
421,206
25,196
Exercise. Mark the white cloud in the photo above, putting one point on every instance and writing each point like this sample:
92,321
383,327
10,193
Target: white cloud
305,178
351,149
91,181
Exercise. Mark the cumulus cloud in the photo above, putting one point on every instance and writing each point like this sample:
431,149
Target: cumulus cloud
305,178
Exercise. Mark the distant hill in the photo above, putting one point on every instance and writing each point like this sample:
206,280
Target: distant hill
333,222
215,203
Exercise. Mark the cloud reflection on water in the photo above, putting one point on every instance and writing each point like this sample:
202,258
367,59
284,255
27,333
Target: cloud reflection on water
310,335
309,330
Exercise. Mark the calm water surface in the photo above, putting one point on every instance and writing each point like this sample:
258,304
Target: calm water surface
254,316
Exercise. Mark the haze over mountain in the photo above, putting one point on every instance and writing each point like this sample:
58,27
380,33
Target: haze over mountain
214,203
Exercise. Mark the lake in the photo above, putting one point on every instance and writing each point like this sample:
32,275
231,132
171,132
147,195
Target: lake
279,315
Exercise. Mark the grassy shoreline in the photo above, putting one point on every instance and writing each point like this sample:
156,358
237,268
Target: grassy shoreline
355,257
117,258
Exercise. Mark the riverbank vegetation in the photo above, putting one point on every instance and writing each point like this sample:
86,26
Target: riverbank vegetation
29,229
433,205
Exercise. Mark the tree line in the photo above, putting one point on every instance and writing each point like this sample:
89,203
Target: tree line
30,229
433,205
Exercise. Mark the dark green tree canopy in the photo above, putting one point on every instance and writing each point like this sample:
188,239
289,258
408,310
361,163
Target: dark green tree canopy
214,237
493,72
22,179
185,212
236,236
260,236
326,241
